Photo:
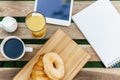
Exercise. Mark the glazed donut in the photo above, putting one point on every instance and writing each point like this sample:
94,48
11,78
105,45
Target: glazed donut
53,66
38,71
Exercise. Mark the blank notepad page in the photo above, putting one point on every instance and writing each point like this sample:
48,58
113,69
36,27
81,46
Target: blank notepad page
100,24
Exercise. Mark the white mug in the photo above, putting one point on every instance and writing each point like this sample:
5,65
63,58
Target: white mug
5,44
9,24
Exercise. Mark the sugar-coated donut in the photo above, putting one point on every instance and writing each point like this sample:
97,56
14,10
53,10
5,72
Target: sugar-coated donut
53,66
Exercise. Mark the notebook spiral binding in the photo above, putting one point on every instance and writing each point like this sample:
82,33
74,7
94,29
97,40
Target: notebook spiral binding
114,62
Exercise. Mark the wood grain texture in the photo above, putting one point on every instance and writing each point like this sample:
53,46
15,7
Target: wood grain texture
98,74
24,33
84,74
22,8
16,8
36,47
80,5
69,51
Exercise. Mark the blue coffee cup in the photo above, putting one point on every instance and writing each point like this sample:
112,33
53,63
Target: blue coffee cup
13,48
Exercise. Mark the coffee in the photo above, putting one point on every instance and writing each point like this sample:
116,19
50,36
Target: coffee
13,48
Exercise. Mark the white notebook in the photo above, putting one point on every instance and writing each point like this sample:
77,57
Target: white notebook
100,24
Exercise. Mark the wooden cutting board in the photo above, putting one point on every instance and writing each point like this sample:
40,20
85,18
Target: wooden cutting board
74,57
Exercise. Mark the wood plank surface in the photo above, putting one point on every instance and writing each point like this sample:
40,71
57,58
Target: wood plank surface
16,8
36,47
80,5
84,74
24,33
69,51
22,8
98,74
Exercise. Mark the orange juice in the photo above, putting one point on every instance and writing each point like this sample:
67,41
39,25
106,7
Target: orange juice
36,23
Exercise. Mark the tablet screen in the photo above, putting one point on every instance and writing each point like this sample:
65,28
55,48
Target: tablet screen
58,9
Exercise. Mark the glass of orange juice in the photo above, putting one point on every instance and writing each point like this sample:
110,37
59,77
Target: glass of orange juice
36,23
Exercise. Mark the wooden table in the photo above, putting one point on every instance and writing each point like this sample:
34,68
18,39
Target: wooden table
93,70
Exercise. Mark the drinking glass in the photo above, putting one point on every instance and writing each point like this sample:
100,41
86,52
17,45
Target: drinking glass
36,23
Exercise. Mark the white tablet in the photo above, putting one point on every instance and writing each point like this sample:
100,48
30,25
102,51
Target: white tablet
56,11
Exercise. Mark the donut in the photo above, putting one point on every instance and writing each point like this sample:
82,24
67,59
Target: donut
38,71
53,66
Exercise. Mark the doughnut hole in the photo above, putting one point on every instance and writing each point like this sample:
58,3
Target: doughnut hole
55,65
